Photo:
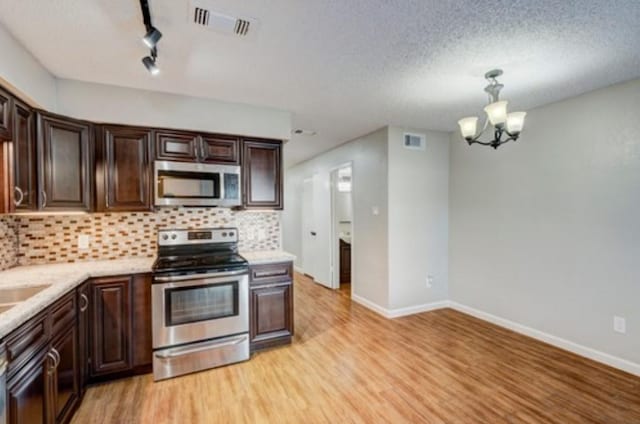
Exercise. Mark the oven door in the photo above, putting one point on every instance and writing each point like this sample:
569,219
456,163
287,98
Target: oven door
196,184
193,308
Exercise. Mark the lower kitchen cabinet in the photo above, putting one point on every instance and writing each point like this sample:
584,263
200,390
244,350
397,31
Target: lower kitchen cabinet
271,305
43,386
120,342
105,323
27,392
65,384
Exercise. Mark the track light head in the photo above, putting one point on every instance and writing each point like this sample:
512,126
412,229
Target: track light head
152,37
149,62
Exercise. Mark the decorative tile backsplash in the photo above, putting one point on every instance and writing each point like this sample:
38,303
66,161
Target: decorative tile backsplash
54,238
8,242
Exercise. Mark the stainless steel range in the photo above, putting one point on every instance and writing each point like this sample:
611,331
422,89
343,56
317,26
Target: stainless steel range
200,302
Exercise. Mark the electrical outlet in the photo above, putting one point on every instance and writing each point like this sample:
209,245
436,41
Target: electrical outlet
430,281
375,210
251,235
619,325
83,241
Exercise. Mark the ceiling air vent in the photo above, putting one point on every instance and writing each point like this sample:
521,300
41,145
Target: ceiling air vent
415,141
203,15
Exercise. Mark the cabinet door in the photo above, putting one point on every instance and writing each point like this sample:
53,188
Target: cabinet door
174,145
220,149
83,293
111,331
28,390
65,163
271,314
125,154
262,174
24,157
5,115
142,351
65,392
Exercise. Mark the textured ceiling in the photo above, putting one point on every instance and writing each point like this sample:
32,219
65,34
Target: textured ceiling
345,68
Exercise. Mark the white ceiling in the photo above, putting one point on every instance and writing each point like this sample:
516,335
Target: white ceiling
345,67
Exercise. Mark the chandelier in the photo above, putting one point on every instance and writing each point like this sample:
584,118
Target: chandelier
506,126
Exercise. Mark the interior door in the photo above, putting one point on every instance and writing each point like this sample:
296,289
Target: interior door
308,230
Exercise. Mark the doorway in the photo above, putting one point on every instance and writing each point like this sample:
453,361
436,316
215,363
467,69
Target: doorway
342,228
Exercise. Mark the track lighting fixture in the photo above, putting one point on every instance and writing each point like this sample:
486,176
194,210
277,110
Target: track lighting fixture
150,63
152,37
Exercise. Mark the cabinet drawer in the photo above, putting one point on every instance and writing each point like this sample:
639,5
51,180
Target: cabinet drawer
270,273
63,313
24,342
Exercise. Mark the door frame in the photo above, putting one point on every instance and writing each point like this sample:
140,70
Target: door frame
335,240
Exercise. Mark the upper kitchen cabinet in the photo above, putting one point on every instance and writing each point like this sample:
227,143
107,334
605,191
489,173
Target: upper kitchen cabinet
124,167
65,163
25,194
191,147
262,174
5,115
220,149
175,145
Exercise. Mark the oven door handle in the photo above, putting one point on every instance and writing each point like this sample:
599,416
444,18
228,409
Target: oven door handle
174,278
174,353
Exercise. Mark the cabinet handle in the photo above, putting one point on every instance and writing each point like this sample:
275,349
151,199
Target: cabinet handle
85,300
51,356
270,286
18,191
44,198
57,356
202,152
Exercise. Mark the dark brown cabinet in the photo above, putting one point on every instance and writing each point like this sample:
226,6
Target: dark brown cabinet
174,145
27,392
65,163
111,332
124,154
120,326
5,115
82,298
64,385
262,174
25,195
271,305
43,384
191,147
220,149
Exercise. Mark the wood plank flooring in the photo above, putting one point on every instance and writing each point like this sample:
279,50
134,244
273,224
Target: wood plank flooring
349,365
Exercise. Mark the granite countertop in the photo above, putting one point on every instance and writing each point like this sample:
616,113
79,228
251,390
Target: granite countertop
259,257
61,278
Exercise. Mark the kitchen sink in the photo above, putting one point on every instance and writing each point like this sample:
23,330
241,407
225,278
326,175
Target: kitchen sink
9,297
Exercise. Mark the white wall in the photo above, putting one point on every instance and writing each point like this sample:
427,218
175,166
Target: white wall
369,157
106,103
24,75
546,231
418,219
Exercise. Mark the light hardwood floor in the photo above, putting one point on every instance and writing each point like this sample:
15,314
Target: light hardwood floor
349,365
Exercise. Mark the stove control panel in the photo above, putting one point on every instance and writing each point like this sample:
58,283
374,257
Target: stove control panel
167,237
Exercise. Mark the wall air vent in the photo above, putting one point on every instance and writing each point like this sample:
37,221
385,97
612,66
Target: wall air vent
202,15
415,141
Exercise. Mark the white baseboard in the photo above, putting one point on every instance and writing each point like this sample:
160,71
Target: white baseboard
587,352
298,269
399,312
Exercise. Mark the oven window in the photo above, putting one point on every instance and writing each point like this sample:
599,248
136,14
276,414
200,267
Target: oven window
201,303
177,184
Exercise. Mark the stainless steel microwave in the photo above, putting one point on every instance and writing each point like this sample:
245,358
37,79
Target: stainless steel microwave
196,184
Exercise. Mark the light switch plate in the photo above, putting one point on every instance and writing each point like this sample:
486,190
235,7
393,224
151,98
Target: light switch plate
619,325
